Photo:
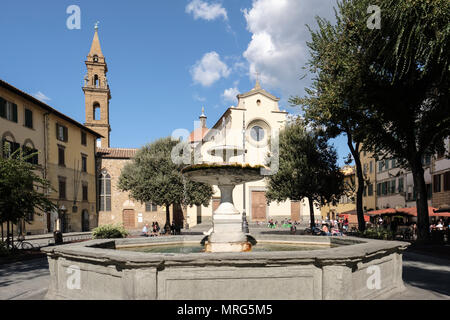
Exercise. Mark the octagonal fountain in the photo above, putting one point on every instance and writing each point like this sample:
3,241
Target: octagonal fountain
281,266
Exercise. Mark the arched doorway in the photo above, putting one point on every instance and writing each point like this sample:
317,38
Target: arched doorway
84,221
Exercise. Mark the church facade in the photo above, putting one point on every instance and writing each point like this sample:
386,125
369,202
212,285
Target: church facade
252,126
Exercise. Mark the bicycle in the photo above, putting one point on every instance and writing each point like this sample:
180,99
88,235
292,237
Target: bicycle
20,244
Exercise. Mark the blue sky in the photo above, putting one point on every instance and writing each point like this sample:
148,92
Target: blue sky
166,59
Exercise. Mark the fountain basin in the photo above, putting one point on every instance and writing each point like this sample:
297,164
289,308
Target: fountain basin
341,272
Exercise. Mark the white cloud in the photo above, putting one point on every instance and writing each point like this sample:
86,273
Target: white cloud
198,98
278,48
203,10
40,96
209,69
229,95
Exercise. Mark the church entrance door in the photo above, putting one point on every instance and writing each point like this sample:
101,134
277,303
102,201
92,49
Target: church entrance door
129,219
259,206
295,210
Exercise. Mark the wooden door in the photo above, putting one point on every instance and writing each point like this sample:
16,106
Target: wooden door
84,221
259,206
295,211
129,221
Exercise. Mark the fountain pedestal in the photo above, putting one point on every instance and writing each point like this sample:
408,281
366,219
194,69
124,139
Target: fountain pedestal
227,234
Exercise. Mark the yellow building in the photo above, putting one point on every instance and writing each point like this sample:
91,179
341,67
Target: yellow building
66,157
347,202
368,164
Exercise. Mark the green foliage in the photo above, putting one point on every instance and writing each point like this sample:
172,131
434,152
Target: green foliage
109,232
376,233
154,177
307,168
389,86
4,250
22,190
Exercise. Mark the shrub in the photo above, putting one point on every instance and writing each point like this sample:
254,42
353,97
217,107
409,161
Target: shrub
4,251
377,233
109,232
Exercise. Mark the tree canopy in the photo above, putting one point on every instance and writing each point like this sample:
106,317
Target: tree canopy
393,82
307,168
153,177
23,192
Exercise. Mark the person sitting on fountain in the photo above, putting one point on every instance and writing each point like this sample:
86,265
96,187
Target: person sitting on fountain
325,230
145,230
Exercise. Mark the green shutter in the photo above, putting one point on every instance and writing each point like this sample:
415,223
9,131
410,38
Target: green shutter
14,106
2,107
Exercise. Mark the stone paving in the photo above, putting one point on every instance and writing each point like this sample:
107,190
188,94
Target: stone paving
425,277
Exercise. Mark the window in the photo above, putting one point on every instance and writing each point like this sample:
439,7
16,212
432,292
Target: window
379,189
400,185
96,58
447,181
28,118
61,156
83,138
105,191
386,164
30,216
437,183
392,191
150,207
97,114
28,151
83,163
370,189
8,110
380,166
384,188
85,192
257,133
9,147
365,191
426,160
371,167
394,163
61,133
62,188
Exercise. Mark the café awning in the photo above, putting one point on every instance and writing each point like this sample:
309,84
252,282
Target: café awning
412,211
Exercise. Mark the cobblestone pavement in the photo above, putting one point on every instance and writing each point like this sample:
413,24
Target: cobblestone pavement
425,277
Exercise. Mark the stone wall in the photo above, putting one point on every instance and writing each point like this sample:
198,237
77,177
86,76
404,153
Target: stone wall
342,273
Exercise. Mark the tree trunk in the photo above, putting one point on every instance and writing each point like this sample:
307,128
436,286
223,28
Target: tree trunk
360,177
167,225
311,213
423,222
7,233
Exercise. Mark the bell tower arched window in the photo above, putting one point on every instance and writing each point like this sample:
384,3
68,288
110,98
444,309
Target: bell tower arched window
96,58
104,191
96,109
96,81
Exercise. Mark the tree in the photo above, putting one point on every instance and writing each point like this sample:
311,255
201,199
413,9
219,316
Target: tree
154,177
396,80
307,169
329,103
22,190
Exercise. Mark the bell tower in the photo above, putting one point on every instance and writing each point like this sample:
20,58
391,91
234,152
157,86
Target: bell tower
97,93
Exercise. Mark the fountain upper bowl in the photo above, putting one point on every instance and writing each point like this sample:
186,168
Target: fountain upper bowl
223,173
